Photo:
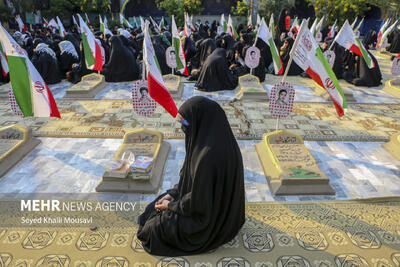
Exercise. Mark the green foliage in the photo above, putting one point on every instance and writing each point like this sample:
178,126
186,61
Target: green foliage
5,13
349,9
242,8
178,7
267,7
66,8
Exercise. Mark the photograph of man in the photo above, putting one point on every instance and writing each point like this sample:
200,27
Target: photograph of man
253,55
144,95
172,55
281,99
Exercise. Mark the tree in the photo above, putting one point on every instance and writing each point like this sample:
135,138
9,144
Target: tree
5,13
242,8
267,7
178,7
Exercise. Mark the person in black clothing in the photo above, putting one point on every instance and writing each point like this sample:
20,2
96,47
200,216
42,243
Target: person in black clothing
206,208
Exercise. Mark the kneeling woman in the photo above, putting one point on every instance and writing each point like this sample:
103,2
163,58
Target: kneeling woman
206,208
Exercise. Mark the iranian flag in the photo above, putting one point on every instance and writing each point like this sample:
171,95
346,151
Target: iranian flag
61,29
76,24
295,26
258,20
354,23
249,21
53,25
314,26
266,36
320,25
381,31
87,20
332,31
157,88
45,23
272,25
359,25
162,23
180,56
308,55
231,29
22,27
103,26
386,34
31,92
347,39
223,23
3,61
91,48
123,21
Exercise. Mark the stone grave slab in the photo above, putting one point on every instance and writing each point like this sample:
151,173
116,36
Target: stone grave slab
174,85
140,142
4,88
15,142
289,167
393,146
348,94
88,87
250,88
393,87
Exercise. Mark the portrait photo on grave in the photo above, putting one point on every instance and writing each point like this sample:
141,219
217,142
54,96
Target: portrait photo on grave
281,98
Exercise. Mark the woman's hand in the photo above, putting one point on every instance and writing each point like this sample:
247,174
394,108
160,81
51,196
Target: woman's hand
162,206
166,197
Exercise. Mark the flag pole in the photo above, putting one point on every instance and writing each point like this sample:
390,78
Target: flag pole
337,35
293,49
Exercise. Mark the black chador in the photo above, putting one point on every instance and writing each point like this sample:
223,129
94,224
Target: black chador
215,74
207,209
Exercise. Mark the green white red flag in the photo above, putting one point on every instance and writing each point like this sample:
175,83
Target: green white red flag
123,21
30,90
271,25
91,48
314,26
331,33
347,39
179,51
295,26
22,27
381,31
3,61
61,29
386,34
266,36
231,29
223,23
308,55
359,25
157,88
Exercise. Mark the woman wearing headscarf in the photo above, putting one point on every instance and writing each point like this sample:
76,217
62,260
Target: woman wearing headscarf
206,208
121,67
363,75
215,74
67,57
71,37
394,46
45,61
159,49
338,50
281,26
207,46
370,39
285,56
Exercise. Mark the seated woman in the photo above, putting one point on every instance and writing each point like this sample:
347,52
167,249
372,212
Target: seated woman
215,74
206,208
363,75
285,56
45,61
67,57
121,66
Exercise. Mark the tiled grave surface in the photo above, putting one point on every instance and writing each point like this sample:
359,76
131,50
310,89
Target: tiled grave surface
76,165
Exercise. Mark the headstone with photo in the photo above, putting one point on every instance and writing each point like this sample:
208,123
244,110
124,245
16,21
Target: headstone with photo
15,143
289,167
252,58
174,85
281,100
170,58
138,165
143,104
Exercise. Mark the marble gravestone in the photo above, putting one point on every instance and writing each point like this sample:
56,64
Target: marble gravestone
250,88
88,87
393,146
393,87
141,142
289,167
15,143
174,85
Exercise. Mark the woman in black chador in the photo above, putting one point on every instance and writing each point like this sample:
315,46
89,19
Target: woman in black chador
121,66
206,208
215,74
